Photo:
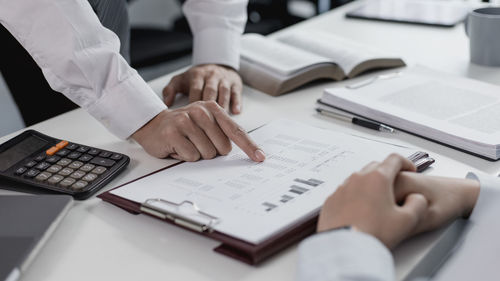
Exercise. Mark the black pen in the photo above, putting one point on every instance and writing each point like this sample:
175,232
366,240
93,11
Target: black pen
358,121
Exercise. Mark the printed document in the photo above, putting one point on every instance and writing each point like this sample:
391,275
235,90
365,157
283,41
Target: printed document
456,111
253,201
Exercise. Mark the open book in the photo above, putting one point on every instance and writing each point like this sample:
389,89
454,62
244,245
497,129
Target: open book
455,111
276,66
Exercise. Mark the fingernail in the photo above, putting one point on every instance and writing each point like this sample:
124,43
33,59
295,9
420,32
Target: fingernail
259,155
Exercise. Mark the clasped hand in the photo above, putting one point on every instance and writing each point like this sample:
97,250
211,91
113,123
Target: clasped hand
391,202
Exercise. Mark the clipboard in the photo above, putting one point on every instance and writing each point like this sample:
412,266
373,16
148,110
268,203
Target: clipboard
232,247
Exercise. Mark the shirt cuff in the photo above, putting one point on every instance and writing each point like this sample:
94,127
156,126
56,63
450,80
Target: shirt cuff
488,192
217,46
344,255
127,107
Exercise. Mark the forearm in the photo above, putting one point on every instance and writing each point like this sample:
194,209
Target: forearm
217,26
80,58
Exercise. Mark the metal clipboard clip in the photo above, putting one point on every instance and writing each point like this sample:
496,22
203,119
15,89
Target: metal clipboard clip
150,206
421,160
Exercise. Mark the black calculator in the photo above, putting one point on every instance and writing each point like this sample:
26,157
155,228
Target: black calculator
58,165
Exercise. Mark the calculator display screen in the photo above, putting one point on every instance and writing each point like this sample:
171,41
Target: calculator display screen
20,151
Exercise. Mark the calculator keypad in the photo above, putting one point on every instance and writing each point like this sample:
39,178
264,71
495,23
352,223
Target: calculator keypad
30,164
99,170
42,166
32,173
69,166
21,170
75,165
55,179
72,146
67,182
89,177
116,156
64,162
79,185
43,176
77,174
105,154
54,169
87,167
74,155
83,149
40,158
63,152
103,162
66,172
53,159
85,158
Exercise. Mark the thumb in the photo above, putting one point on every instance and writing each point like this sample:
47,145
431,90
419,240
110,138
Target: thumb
407,219
414,210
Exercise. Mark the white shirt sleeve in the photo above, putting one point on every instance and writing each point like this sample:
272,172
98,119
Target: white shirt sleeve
80,58
344,255
217,26
476,257
348,255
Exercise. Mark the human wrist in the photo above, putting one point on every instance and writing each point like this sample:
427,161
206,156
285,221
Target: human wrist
141,134
471,194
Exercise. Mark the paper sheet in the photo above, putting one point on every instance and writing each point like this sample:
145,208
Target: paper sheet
304,166
453,110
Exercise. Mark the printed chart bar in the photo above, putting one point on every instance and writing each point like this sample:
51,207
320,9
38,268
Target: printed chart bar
298,189
285,198
269,206
310,182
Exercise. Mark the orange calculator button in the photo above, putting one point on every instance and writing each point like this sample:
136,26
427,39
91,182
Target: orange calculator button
51,151
61,144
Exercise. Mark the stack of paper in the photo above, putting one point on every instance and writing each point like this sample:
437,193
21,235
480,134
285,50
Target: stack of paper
454,111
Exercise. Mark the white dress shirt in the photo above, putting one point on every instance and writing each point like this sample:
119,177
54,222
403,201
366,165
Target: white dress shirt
355,256
80,58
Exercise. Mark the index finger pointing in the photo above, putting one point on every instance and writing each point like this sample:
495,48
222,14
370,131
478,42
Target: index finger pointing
236,133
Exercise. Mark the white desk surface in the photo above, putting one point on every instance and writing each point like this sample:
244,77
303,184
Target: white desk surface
98,241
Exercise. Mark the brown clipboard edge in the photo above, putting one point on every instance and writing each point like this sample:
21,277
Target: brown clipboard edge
232,247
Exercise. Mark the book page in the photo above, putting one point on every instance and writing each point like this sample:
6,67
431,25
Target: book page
457,111
345,53
253,201
276,56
